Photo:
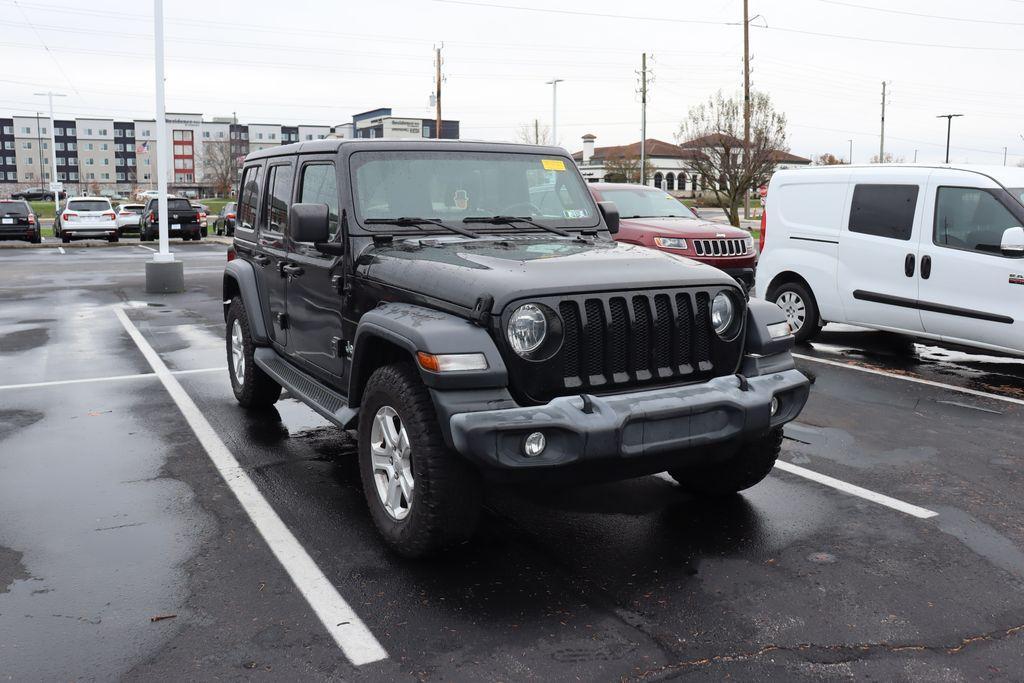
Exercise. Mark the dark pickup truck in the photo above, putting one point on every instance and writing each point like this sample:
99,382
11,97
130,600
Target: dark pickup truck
182,220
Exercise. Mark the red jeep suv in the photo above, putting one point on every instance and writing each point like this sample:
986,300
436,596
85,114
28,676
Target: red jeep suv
654,218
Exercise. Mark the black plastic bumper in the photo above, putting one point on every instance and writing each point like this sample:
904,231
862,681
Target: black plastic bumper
654,423
744,276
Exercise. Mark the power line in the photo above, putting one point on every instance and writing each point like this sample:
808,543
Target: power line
580,13
922,15
46,47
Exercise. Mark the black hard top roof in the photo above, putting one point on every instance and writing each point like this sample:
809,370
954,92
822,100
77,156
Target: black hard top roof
391,144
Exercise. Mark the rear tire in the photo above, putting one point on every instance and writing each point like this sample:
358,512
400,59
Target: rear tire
410,458
252,387
800,307
113,238
750,465
65,239
36,240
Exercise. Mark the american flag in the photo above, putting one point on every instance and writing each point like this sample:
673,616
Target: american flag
142,147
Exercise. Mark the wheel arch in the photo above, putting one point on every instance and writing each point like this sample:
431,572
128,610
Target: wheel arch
240,281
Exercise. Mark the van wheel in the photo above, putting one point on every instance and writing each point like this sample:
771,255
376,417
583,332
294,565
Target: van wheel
422,496
253,388
801,310
748,467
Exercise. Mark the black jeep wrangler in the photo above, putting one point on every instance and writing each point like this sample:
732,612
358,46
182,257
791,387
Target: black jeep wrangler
419,292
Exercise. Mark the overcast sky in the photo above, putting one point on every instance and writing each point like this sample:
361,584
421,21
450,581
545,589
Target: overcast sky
302,61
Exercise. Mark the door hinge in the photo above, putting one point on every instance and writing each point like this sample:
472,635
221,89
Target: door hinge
340,348
282,320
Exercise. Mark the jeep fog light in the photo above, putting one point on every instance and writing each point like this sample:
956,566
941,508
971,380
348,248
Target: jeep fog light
779,330
774,406
451,362
534,444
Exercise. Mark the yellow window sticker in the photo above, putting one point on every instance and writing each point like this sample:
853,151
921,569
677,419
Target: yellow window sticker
553,164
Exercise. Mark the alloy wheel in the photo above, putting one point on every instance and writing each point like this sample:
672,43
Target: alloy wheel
237,352
794,307
391,460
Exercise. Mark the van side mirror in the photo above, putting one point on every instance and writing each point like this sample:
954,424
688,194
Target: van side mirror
1012,243
610,213
309,223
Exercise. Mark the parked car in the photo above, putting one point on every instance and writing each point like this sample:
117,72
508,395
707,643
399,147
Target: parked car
128,216
37,194
468,333
146,195
224,223
182,220
932,252
654,218
203,211
87,218
18,221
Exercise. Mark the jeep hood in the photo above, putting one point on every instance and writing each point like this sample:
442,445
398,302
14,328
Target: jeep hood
461,271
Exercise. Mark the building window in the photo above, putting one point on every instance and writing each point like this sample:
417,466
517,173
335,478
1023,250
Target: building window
60,147
145,176
272,136
72,176
118,132
670,181
259,136
26,145
72,146
8,144
89,147
206,134
119,147
29,161
220,134
61,162
88,131
120,176
72,161
119,161
131,162
658,178
72,131
106,162
90,162
103,131
62,176
104,147
26,130
145,133
8,130
56,131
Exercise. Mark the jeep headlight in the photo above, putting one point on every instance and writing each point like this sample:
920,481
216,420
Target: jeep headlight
527,329
670,242
723,314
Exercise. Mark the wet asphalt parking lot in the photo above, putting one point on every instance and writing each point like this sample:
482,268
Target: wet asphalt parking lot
888,544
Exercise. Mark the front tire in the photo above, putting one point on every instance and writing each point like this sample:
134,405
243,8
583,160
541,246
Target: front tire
801,309
253,388
422,496
749,466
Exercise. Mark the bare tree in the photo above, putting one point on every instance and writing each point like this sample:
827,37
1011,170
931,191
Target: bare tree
889,159
625,169
220,167
829,159
714,131
533,134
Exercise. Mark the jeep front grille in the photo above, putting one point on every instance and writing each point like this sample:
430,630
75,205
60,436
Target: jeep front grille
720,247
627,338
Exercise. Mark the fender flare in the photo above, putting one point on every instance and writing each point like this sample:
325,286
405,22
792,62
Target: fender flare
416,328
243,275
761,314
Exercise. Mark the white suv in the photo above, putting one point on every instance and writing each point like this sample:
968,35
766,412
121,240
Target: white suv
88,218
931,251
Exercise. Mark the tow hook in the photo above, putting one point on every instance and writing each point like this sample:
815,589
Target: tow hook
744,383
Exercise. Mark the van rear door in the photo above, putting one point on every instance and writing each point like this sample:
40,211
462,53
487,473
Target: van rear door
878,250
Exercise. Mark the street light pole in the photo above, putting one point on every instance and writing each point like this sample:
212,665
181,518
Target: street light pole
851,150
554,108
949,125
53,150
163,273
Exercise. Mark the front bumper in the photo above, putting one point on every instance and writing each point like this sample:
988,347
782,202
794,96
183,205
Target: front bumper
744,276
673,421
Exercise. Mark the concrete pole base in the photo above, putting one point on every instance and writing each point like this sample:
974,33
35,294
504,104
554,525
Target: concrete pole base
165,277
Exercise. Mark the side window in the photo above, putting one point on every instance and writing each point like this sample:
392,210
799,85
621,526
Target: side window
278,198
971,218
248,199
884,210
320,186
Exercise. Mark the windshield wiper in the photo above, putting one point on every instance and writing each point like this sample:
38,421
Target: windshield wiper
404,221
507,220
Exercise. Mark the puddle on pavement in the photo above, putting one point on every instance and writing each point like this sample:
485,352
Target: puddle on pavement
297,418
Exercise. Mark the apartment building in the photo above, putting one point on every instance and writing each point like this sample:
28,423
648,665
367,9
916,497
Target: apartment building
110,156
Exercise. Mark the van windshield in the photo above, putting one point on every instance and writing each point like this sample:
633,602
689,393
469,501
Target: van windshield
453,185
636,202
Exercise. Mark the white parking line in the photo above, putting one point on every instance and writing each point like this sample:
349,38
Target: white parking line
853,490
111,378
61,250
352,636
906,378
143,246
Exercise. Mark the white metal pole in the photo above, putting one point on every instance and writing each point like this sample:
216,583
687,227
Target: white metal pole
53,149
554,109
161,133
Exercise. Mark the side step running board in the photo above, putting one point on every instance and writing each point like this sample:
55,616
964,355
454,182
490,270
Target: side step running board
309,390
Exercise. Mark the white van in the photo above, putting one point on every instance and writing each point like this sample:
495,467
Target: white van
931,251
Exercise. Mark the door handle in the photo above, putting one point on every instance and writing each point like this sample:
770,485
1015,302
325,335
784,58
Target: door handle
291,270
908,265
261,259
926,267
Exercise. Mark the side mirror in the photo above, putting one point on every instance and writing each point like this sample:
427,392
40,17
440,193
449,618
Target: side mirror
308,223
610,213
1012,243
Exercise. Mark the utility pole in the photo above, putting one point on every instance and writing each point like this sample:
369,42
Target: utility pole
437,94
915,156
536,132
554,108
881,141
53,149
746,103
39,144
1004,156
643,119
949,125
851,151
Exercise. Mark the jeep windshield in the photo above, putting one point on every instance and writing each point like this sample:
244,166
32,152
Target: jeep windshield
637,202
449,186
